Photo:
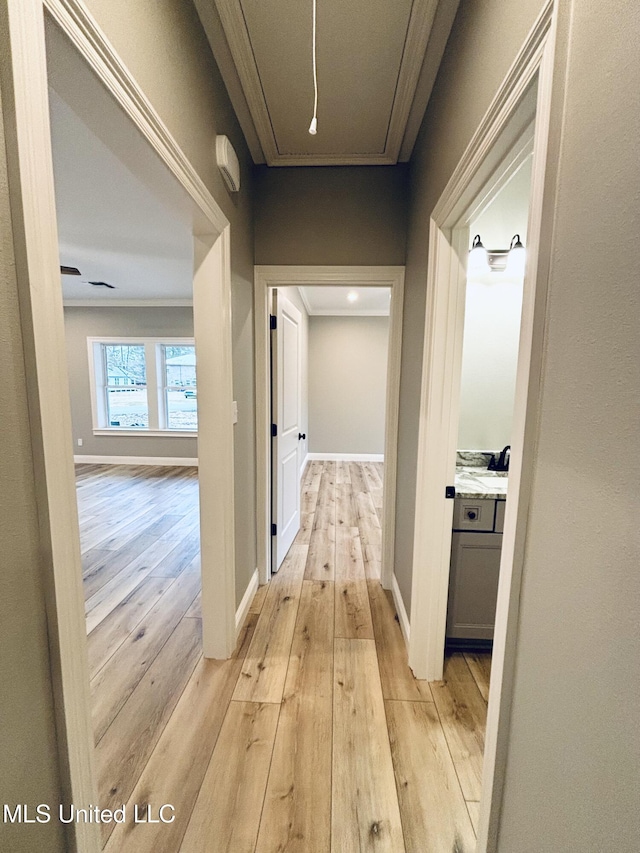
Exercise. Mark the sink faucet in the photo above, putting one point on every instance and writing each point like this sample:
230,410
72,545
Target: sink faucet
502,463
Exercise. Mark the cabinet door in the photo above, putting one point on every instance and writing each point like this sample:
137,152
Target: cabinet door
473,585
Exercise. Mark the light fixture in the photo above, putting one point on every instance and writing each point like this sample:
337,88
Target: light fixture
313,127
478,261
352,296
482,261
516,259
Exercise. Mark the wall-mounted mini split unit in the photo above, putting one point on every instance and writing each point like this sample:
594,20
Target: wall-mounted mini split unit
228,163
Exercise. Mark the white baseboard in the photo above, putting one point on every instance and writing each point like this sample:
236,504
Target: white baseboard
400,609
245,604
346,457
135,460
304,465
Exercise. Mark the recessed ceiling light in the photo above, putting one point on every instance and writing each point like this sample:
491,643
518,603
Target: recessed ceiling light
352,296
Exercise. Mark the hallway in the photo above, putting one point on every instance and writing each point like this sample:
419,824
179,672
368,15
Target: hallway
315,736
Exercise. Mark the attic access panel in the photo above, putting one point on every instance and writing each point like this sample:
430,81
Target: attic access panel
370,53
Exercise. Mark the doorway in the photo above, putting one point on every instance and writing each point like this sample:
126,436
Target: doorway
349,279
329,356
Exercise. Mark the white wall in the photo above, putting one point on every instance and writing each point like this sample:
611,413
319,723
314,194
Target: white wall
347,384
489,360
492,326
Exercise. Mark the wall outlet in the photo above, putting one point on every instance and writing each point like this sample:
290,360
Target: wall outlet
79,442
235,411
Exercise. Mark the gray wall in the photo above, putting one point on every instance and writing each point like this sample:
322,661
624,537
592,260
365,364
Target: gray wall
478,55
27,734
347,384
165,48
574,743
572,748
81,323
331,215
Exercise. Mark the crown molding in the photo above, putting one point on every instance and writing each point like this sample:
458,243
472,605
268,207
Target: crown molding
128,303
439,35
214,31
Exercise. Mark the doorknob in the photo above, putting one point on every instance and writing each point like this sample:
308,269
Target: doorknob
301,435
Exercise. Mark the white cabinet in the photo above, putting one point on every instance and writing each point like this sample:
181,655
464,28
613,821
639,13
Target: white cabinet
473,585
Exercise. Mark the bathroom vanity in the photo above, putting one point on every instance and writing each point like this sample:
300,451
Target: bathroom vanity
478,522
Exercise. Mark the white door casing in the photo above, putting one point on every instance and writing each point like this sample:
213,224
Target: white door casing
287,391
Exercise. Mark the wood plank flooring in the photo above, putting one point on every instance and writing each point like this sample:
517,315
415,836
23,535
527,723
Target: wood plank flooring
314,737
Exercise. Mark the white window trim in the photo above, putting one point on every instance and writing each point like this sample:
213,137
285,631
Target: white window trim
155,387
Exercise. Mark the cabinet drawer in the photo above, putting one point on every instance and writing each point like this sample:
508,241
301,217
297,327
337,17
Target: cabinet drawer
473,514
500,506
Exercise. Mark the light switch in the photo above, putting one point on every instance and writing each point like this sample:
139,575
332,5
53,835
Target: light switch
235,411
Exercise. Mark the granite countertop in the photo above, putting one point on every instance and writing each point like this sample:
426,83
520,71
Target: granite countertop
474,480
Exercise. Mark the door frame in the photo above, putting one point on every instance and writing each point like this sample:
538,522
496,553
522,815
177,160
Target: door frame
267,277
28,142
444,319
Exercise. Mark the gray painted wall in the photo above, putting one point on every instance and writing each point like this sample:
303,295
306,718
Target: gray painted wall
573,749
574,743
331,215
347,384
81,323
165,48
478,55
27,735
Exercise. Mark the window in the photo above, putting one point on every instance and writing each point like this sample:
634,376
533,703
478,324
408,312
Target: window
145,385
180,390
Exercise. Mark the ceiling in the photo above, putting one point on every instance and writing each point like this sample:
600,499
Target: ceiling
377,61
110,226
334,301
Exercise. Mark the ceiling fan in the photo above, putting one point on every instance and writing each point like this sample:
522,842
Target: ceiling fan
66,270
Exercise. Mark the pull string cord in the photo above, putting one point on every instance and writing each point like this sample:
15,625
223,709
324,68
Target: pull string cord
313,127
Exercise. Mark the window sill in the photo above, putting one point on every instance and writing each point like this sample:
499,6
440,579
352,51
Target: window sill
147,433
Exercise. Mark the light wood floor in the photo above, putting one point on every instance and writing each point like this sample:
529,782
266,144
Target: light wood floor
314,736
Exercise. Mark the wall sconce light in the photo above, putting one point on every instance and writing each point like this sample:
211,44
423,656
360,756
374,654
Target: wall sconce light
478,258
511,260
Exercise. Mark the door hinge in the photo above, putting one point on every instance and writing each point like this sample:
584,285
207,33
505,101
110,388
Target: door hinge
450,492
274,430
274,529
273,321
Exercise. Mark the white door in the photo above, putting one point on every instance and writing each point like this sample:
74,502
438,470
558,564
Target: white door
286,365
